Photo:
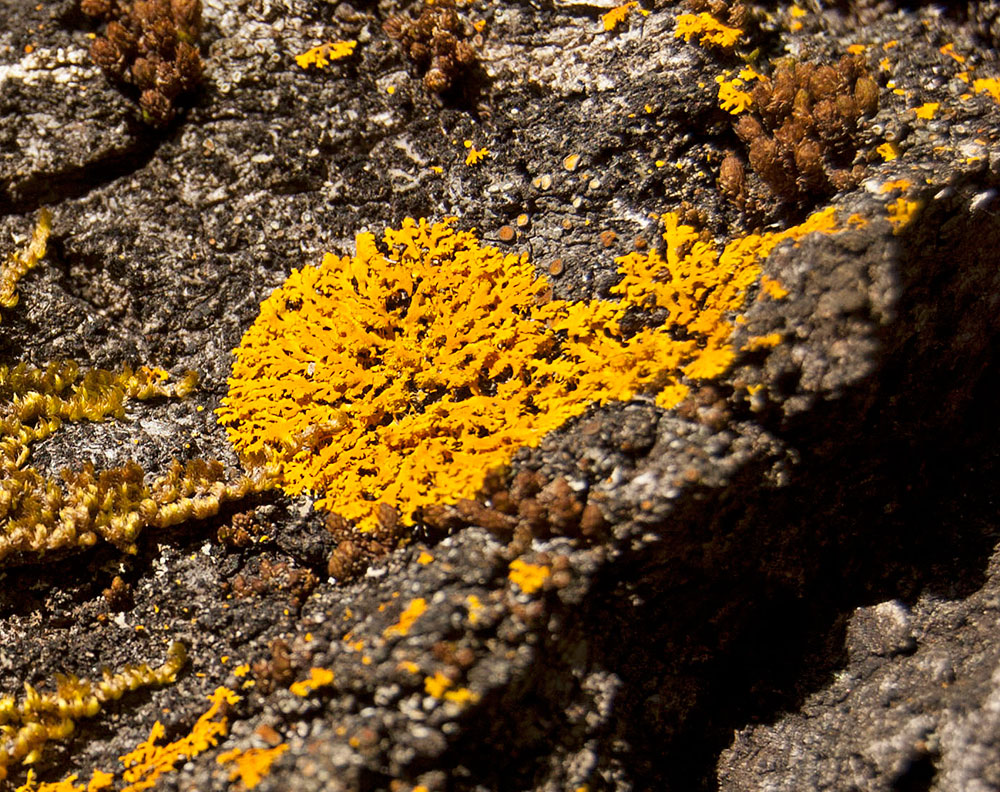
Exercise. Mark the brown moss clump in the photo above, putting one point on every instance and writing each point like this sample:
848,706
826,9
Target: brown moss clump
801,134
439,41
152,46
524,507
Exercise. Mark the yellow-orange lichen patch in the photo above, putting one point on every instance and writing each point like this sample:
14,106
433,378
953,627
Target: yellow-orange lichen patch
408,617
772,288
927,110
318,677
321,56
441,687
252,765
708,29
619,14
888,151
402,374
989,85
527,577
149,761
902,211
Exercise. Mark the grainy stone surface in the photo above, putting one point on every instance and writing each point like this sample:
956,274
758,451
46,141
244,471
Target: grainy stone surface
801,554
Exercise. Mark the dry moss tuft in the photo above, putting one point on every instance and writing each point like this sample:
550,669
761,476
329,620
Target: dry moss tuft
39,513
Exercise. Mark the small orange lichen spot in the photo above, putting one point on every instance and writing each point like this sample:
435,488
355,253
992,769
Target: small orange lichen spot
857,49
241,670
796,13
732,98
252,765
436,685
990,85
410,614
29,48
475,155
424,558
437,169
571,161
856,221
617,15
762,342
890,45
772,288
318,677
888,150
321,56
902,212
475,605
409,665
710,30
390,89
884,65
479,25
927,110
895,184
949,50
527,577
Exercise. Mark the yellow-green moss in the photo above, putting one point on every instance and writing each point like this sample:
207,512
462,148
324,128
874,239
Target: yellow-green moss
39,513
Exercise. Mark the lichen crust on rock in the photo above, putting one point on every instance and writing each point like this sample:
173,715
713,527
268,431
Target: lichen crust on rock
401,375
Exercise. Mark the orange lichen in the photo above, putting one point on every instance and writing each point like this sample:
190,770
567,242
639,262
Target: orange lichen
708,28
888,151
412,612
252,765
318,677
902,212
619,14
527,577
990,85
149,761
772,288
475,155
440,686
401,375
98,781
927,110
321,56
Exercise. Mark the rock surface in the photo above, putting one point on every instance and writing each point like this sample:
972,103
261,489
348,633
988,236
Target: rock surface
801,554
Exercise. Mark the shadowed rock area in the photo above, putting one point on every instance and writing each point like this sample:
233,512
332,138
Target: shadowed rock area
788,581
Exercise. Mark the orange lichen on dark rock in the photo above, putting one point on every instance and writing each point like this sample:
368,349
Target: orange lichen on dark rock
400,375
